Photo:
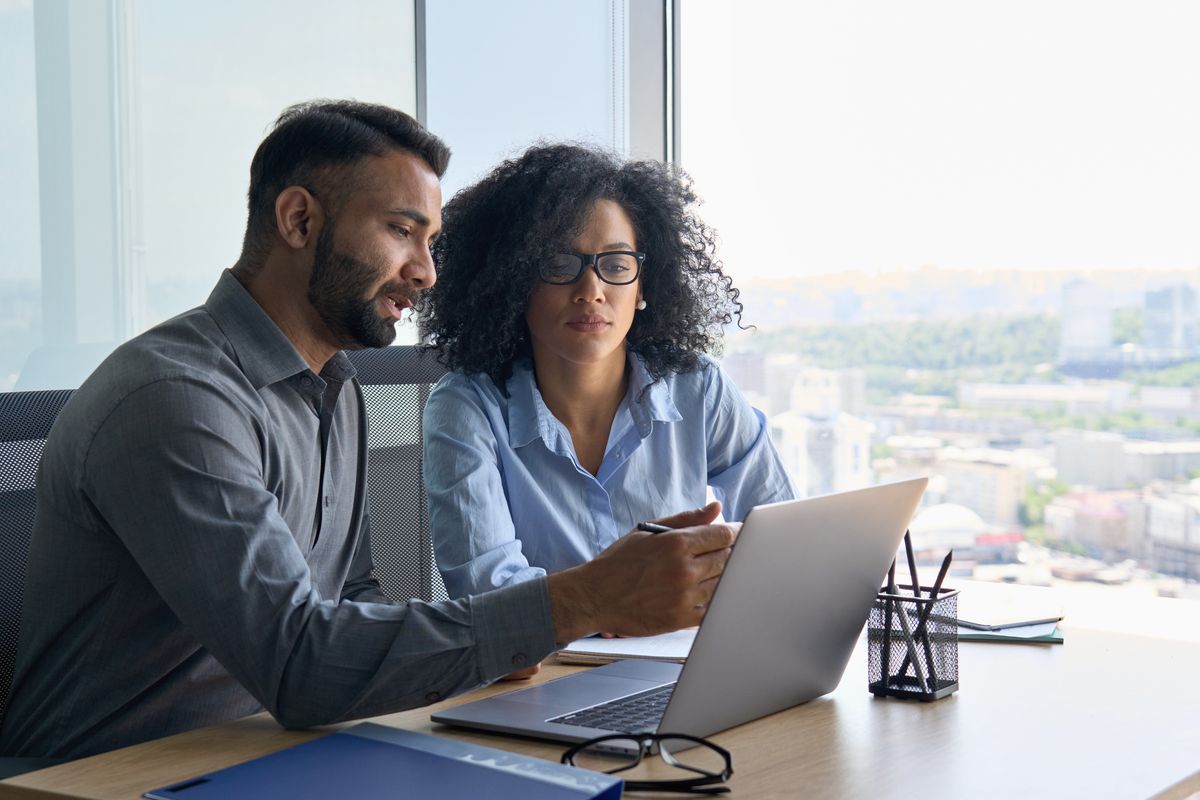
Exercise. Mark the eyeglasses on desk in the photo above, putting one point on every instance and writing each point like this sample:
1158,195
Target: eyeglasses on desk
618,752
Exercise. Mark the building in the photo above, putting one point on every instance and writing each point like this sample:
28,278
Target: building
1086,323
1110,526
1173,531
1169,321
824,454
1169,402
822,392
991,482
779,375
946,526
1145,462
1093,397
1106,460
1090,458
746,368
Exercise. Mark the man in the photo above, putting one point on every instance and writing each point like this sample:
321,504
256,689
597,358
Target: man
201,549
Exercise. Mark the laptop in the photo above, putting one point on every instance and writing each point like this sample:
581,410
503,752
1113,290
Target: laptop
779,630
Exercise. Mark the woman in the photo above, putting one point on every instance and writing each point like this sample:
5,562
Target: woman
576,297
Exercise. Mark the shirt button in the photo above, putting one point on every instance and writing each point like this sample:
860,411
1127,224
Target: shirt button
433,697
306,381
519,660
328,501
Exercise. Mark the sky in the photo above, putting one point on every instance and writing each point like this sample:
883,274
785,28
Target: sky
879,136
825,137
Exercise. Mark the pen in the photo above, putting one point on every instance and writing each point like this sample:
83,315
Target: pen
887,626
916,588
912,656
652,527
923,623
912,564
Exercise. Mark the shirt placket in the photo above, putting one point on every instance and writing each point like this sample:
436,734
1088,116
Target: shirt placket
614,460
322,397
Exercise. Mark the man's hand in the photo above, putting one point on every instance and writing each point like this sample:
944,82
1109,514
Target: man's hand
644,583
523,674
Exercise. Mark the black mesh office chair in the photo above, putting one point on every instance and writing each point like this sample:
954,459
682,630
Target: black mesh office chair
396,383
25,421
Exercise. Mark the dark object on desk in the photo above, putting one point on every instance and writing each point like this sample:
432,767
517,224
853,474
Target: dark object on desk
652,527
930,649
370,760
912,564
709,764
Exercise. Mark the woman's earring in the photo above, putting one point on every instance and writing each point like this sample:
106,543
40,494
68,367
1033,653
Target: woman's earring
641,305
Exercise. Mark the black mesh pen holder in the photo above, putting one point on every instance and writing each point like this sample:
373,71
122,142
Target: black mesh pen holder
912,644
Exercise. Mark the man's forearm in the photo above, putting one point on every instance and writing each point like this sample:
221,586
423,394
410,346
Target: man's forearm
572,605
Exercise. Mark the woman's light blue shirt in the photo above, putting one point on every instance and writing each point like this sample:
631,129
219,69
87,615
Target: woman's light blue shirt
508,500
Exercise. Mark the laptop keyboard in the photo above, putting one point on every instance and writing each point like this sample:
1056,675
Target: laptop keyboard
637,713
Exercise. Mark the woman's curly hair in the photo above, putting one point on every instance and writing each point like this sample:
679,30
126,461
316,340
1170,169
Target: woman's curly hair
497,232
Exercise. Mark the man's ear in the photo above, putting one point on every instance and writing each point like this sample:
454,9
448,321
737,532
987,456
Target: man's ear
298,217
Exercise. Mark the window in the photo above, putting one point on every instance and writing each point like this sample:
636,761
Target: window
985,218
126,161
130,125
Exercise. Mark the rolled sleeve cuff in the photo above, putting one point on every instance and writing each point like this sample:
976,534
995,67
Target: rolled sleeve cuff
514,627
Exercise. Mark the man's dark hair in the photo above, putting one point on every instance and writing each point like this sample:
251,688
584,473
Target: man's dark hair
313,143
497,232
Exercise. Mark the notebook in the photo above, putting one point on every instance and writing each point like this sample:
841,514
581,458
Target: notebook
370,760
779,630
593,650
996,606
1040,633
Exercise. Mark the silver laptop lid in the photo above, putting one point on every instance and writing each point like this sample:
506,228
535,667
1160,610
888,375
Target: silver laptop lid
794,597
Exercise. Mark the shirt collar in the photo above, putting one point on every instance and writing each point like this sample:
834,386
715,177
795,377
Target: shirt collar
649,400
266,356
529,418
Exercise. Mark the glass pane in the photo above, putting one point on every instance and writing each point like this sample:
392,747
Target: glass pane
20,245
201,126
125,163
970,266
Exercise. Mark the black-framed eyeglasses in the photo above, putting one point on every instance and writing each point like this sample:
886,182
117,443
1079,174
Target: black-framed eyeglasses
618,752
618,267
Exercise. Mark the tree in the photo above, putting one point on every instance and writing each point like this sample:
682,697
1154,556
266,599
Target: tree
1033,510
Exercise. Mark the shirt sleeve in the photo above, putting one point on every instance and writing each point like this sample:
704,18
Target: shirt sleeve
744,468
474,539
176,471
361,584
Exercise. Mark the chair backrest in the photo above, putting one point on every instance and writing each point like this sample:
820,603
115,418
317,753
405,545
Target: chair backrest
396,383
25,422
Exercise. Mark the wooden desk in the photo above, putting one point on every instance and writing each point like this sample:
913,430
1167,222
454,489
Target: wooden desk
1105,715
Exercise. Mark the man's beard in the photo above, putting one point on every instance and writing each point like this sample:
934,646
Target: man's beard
337,288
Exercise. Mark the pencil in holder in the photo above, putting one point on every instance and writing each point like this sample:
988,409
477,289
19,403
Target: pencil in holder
912,644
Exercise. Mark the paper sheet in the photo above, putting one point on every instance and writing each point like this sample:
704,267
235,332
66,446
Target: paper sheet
1002,605
664,647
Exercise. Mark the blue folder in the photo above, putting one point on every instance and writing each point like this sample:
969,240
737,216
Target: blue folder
371,760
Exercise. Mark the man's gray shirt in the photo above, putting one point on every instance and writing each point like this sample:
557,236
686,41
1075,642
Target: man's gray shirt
200,553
